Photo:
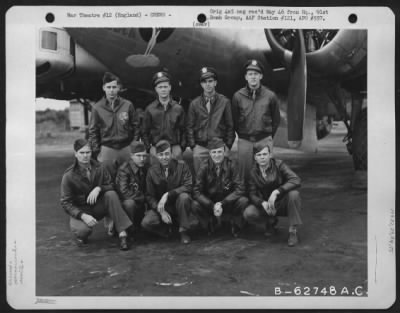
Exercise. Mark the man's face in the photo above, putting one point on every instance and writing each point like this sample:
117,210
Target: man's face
163,89
208,85
139,158
164,157
111,90
253,78
263,157
83,154
217,155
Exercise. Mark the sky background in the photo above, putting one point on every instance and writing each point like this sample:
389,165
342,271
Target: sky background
45,103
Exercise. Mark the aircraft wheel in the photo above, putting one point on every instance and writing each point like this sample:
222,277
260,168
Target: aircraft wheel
360,141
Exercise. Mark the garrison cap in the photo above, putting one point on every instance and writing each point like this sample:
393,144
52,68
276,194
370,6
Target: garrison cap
215,143
80,143
254,65
160,77
110,77
207,72
137,147
162,145
258,146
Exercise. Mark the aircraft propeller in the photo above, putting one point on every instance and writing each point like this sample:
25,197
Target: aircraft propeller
297,92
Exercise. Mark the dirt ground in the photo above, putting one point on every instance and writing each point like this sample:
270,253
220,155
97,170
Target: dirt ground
332,252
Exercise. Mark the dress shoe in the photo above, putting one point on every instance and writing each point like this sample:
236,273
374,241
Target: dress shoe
293,239
123,243
185,239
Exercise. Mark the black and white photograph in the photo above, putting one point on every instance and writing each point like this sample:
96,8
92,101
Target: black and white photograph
201,157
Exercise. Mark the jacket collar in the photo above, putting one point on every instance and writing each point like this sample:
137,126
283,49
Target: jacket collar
269,168
213,98
173,163
133,166
169,105
77,168
107,104
246,91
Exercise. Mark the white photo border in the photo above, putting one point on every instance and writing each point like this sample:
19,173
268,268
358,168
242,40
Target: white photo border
22,22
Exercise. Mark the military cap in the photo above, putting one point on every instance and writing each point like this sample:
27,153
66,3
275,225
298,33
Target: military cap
162,145
160,77
137,147
215,143
254,65
258,146
80,143
207,72
110,77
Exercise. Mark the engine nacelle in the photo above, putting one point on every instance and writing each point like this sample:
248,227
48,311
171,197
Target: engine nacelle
330,53
55,55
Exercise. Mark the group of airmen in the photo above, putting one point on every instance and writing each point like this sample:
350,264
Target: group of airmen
132,174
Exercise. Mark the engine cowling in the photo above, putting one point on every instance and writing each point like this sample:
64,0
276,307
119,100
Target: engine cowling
330,53
55,55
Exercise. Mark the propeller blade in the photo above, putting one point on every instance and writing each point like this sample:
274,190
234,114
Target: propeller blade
297,92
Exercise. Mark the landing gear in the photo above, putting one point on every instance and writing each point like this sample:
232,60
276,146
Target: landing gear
86,109
360,141
359,150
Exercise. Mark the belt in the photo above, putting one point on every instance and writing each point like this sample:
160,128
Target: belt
255,137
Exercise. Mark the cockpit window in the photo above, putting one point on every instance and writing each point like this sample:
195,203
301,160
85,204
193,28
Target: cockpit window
49,40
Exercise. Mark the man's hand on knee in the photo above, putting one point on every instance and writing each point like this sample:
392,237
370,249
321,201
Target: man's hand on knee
88,220
92,198
166,218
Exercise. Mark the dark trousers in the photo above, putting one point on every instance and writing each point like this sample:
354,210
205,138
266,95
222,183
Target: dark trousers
231,210
107,204
246,156
134,210
113,158
289,205
180,212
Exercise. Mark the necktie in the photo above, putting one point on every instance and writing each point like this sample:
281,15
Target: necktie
88,173
208,105
264,174
253,95
166,172
218,170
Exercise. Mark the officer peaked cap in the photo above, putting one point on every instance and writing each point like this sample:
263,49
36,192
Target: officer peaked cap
254,65
161,77
207,72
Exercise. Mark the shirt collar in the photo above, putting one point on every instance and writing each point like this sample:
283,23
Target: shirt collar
169,104
222,165
266,168
250,91
116,101
212,98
